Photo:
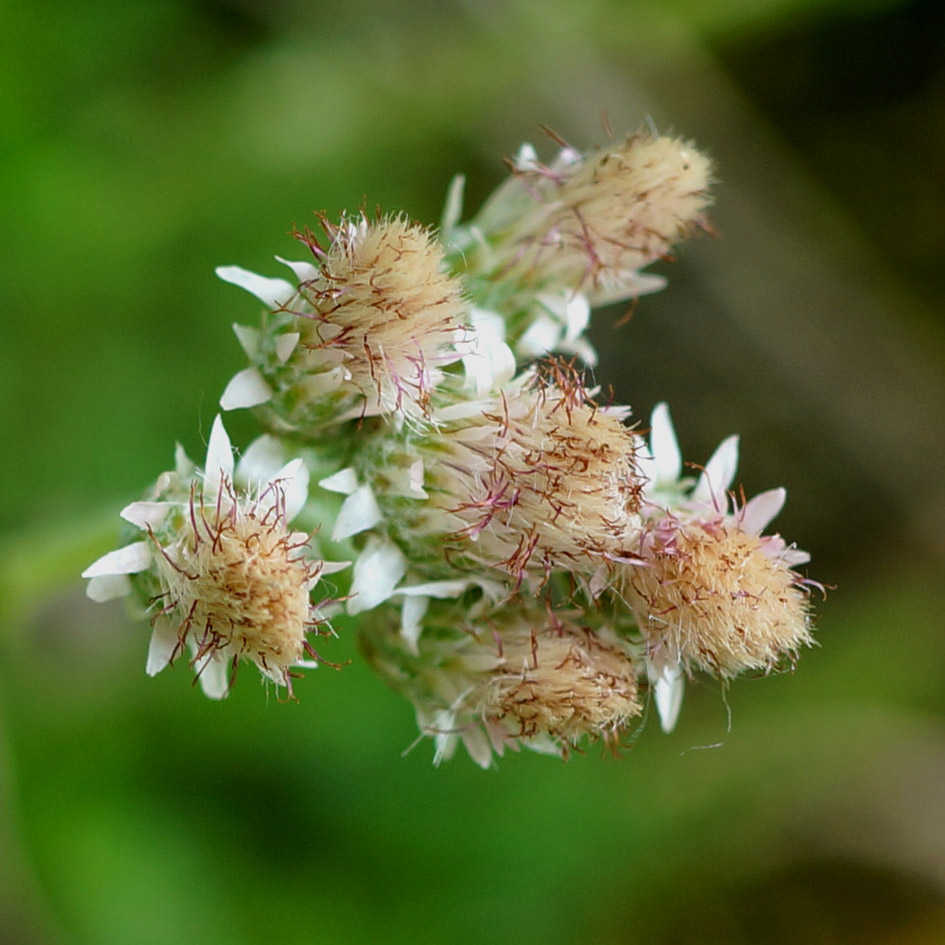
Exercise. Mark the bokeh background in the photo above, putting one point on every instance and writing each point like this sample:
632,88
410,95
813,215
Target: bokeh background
144,143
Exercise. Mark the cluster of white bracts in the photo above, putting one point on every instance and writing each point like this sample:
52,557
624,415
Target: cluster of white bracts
525,566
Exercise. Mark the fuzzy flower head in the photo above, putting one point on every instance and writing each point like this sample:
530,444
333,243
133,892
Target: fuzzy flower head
592,222
366,329
519,676
561,682
220,571
716,597
538,478
710,591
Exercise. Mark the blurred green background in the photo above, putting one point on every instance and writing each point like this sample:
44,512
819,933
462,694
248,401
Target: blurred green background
143,143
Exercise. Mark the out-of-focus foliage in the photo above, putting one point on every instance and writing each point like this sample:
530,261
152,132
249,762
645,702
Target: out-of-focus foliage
143,144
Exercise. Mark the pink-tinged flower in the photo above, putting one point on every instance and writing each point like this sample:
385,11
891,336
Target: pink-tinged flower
711,591
220,571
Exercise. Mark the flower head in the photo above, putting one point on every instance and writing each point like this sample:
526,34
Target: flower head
590,223
561,681
220,571
716,597
537,478
366,329
514,676
710,591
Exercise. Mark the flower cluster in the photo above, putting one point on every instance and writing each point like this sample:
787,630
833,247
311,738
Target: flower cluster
525,565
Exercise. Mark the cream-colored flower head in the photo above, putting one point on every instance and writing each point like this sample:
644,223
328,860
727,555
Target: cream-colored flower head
538,478
710,591
365,331
716,597
590,223
220,571
565,682
522,677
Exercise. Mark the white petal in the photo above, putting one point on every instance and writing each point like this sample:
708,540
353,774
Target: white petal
411,620
478,745
624,285
183,464
577,315
318,384
248,339
108,587
494,590
489,361
128,560
716,478
760,510
599,581
286,345
260,461
333,567
541,336
214,675
416,479
145,514
459,411
668,687
499,737
407,482
376,573
248,388
164,641
358,513
566,157
663,446
791,556
274,292
219,457
439,589
489,368
569,310
293,480
453,209
527,157
582,348
645,283
544,745
304,271
344,481
445,738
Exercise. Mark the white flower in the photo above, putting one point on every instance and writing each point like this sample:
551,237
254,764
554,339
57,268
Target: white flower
222,572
